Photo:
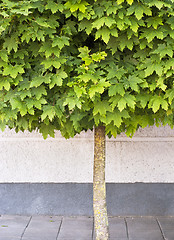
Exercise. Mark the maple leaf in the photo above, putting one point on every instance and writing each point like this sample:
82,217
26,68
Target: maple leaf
10,44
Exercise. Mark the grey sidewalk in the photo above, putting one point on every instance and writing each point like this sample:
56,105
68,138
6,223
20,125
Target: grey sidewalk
82,228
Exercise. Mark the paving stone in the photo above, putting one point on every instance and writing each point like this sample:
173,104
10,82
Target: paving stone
39,238
148,238
117,228
166,223
118,238
76,228
144,228
77,238
42,228
12,226
10,238
167,227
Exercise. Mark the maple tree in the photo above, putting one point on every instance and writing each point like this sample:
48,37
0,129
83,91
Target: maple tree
74,65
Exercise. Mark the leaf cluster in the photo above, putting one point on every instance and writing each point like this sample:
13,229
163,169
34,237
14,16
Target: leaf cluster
74,64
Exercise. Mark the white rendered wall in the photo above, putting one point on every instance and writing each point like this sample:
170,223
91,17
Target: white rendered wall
147,157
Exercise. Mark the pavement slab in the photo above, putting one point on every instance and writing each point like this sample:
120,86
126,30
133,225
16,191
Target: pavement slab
10,238
167,227
12,227
42,228
76,228
144,228
117,228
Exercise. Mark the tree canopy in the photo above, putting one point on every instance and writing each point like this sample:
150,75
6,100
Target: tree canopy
70,65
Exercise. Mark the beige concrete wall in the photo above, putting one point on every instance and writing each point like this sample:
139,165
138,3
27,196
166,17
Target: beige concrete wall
147,157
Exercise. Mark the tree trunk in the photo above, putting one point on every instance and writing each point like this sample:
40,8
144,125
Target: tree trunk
99,186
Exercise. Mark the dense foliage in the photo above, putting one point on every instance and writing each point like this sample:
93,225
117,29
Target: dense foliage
72,64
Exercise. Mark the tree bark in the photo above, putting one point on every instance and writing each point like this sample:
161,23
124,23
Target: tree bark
99,186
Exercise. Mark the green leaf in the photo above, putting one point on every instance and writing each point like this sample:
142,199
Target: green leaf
120,24
48,111
143,99
42,22
54,7
60,41
134,25
3,127
114,32
6,85
164,50
85,24
10,44
98,56
2,29
76,118
170,95
151,33
134,81
46,130
155,103
104,33
160,83
116,117
81,5
109,21
120,2
38,92
37,81
52,62
122,104
159,69
13,71
139,11
164,105
57,79
98,88
111,130
99,23
15,103
130,99
114,89
47,49
149,70
72,102
4,55
79,91
154,22
30,103
157,3
130,1
101,108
